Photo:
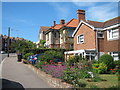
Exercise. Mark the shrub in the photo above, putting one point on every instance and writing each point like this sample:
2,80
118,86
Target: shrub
117,63
49,55
74,60
40,63
99,67
108,60
25,56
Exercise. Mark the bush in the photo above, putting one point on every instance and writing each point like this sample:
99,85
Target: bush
74,60
25,56
108,60
49,55
99,67
117,63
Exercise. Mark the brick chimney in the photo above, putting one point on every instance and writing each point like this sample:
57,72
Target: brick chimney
62,21
54,23
80,15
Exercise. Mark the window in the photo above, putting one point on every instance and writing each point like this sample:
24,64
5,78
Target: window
100,34
113,34
80,39
70,32
114,55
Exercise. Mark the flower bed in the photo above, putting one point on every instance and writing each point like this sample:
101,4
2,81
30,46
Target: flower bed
54,70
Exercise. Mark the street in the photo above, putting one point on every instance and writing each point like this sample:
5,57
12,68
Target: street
17,75
2,56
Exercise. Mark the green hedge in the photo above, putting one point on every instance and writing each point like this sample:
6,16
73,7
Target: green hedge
38,51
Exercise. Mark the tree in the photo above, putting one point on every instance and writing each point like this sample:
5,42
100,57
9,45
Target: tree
42,42
22,45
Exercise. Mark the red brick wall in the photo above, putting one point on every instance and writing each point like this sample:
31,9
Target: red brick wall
100,44
111,45
89,38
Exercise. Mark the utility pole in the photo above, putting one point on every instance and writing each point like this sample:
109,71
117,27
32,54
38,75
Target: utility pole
8,41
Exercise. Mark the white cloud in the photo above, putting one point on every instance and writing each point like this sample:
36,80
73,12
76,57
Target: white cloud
102,12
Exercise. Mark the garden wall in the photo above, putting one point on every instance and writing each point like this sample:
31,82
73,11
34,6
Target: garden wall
56,83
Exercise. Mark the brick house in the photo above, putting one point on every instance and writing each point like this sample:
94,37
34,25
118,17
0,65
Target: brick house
93,39
60,35
4,41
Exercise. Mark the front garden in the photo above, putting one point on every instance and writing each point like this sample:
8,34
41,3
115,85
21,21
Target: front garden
78,71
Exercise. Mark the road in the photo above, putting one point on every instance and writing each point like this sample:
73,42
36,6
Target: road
17,75
2,56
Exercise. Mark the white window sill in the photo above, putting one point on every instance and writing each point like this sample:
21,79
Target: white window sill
111,39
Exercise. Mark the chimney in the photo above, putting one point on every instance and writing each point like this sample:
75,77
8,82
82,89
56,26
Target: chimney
54,23
80,15
62,21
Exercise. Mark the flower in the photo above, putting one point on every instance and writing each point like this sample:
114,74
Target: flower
50,60
113,71
45,63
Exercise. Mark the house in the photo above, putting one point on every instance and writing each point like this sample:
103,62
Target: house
93,39
53,35
4,41
41,35
60,35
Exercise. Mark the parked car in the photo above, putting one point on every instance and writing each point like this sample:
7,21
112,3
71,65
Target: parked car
33,58
2,52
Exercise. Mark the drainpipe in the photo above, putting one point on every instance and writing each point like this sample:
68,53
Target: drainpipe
97,44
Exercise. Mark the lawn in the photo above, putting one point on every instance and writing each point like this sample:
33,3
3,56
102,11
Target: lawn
111,80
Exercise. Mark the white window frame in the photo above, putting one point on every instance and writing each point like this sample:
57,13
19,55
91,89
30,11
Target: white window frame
78,39
110,35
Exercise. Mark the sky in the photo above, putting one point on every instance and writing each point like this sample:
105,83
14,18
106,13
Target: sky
25,18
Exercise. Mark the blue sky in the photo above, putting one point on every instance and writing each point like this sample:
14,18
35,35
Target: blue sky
25,18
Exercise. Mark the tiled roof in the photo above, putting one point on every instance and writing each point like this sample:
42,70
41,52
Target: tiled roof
96,24
104,24
44,28
72,23
57,26
112,21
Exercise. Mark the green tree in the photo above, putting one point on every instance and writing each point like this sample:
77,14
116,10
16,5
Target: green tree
22,45
42,42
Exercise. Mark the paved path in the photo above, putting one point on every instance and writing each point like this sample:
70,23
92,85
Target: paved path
16,74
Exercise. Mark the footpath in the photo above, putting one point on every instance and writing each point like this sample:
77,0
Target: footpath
17,75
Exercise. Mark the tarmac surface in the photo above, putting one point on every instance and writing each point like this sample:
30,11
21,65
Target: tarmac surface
17,75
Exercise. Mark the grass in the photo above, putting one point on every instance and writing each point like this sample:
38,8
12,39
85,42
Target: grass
111,81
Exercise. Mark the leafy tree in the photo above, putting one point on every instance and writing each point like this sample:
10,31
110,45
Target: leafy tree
42,42
22,45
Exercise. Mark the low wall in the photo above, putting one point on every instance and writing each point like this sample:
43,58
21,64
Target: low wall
56,83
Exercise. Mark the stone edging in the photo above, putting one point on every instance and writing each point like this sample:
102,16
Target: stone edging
56,83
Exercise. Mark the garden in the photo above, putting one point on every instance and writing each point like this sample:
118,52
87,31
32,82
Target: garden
78,71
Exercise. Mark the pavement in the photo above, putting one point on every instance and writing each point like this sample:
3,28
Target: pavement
2,56
17,75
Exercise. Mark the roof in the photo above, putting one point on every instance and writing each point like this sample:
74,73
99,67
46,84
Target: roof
57,26
44,28
104,24
72,23
112,21
96,24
